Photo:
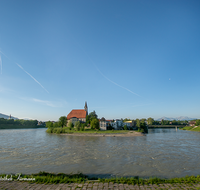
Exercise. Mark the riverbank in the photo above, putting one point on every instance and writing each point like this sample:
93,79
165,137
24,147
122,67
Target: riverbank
92,132
44,180
192,128
111,134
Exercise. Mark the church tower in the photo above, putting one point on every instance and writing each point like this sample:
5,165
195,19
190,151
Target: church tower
86,108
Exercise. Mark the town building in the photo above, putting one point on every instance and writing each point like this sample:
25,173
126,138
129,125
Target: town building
78,115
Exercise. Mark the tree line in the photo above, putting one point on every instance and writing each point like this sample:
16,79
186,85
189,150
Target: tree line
18,122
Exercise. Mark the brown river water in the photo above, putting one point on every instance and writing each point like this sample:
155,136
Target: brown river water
163,153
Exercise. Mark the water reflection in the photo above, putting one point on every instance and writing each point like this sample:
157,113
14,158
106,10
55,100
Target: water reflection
163,153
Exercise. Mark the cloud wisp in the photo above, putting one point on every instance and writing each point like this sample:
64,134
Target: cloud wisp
4,54
54,104
31,76
1,64
45,102
116,83
103,74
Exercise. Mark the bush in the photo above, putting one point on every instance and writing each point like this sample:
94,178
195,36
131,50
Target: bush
59,130
77,125
70,125
49,130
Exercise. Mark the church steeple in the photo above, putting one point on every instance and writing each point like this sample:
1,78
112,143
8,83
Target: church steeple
86,108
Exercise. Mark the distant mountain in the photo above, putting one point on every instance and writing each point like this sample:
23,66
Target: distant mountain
181,118
7,116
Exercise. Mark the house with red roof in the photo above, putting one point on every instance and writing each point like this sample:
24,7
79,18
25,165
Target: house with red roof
78,115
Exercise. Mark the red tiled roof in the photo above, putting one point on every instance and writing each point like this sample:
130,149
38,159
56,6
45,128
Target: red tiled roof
77,114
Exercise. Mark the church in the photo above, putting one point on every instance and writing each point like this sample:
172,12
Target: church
78,115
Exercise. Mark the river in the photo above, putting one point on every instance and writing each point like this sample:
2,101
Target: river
163,153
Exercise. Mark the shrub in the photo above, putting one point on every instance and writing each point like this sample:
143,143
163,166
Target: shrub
77,125
49,130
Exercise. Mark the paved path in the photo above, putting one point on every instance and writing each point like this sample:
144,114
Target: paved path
16,185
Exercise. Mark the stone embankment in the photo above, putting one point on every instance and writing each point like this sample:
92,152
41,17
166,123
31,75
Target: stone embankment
16,185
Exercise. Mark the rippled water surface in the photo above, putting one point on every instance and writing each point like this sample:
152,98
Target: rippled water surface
162,153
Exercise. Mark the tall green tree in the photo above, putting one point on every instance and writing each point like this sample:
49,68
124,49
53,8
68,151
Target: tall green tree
138,123
62,121
150,121
56,124
49,124
197,122
94,123
90,117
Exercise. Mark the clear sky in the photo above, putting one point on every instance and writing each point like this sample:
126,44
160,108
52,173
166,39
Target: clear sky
126,58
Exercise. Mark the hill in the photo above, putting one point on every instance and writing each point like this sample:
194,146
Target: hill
181,118
7,116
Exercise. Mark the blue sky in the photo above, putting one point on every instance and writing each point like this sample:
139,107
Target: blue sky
127,59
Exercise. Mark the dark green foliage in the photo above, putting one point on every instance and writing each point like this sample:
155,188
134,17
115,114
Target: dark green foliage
70,125
197,122
165,122
77,125
125,127
56,124
142,126
49,124
94,123
90,117
19,123
62,121
150,121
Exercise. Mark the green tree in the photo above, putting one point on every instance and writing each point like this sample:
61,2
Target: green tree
143,126
62,121
125,127
150,121
94,123
56,124
49,124
77,125
174,122
126,119
138,123
90,117
197,122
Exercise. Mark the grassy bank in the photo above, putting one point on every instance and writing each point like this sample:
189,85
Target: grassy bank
189,128
60,130
44,177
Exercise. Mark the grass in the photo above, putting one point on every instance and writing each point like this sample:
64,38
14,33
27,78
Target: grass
45,177
189,128
67,130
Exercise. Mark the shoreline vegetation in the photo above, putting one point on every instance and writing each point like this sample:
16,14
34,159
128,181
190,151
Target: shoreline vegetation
19,124
91,132
191,128
51,178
